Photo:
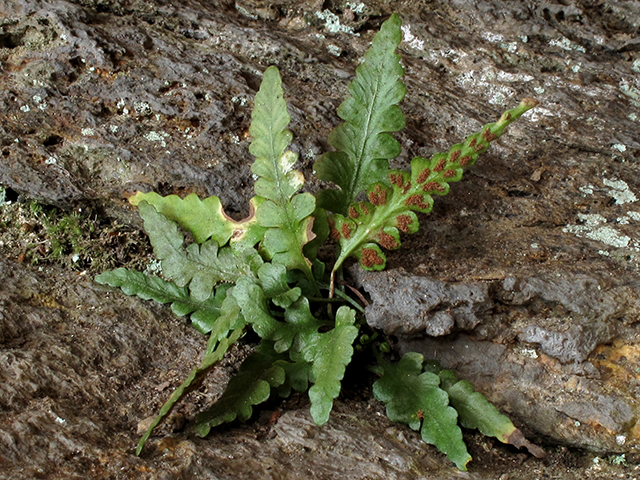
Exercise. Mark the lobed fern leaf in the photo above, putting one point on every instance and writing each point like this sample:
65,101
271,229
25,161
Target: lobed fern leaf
415,398
476,412
297,376
363,143
251,386
287,216
329,353
149,287
390,207
199,266
206,219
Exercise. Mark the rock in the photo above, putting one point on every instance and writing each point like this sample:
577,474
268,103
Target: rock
548,335
529,265
420,304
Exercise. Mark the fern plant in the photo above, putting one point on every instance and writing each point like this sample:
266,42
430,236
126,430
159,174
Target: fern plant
263,273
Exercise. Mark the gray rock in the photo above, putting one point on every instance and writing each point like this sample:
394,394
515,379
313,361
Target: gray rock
556,329
562,404
529,266
402,304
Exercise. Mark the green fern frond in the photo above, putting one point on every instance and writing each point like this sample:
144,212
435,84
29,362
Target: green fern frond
363,143
201,267
252,385
389,209
206,219
414,397
286,215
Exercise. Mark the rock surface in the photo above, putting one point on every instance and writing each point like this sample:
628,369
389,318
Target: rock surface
541,347
529,266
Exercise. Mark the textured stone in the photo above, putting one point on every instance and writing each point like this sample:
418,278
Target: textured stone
544,366
420,304
102,98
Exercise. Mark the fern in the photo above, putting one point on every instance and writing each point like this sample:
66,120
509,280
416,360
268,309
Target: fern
251,386
149,287
285,214
363,143
206,219
391,203
262,273
414,397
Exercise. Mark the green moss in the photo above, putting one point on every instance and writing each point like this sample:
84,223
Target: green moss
44,235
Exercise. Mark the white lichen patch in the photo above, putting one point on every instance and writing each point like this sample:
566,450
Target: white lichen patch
619,147
39,101
634,215
334,50
630,91
121,105
566,44
528,352
595,226
586,190
240,100
411,40
493,82
88,132
332,23
157,137
510,47
357,7
620,191
142,108
493,37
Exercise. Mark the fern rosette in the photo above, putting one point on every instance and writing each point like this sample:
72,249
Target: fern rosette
263,274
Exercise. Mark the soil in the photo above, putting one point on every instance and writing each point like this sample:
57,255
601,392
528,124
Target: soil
523,279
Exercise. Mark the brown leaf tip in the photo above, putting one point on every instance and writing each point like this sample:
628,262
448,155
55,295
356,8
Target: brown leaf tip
371,258
517,439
